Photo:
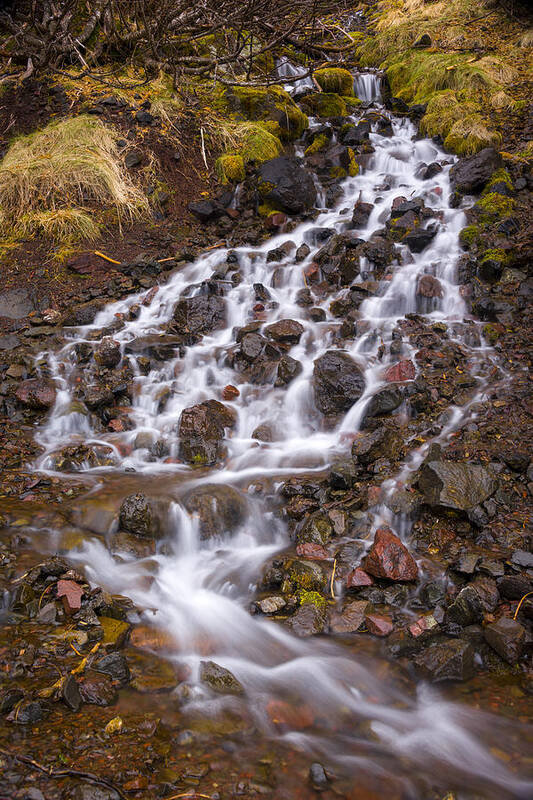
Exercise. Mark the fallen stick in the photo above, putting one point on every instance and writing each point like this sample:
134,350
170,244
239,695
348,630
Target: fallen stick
106,258
64,773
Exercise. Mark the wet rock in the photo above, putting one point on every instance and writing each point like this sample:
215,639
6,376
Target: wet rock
379,624
361,213
459,486
470,174
37,393
219,679
129,543
355,135
466,608
384,401
206,210
309,620
201,430
288,369
71,693
96,397
252,345
141,516
28,713
507,637
318,777
381,443
83,314
429,286
116,666
150,673
287,185
402,371
358,578
220,509
316,528
287,331
312,550
522,559
107,353
449,660
389,558
418,239
338,382
350,618
98,690
271,605
16,303
514,587
76,458
199,315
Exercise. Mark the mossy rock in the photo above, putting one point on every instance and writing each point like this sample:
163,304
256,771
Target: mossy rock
307,576
493,207
469,135
491,334
470,236
335,80
323,104
273,104
314,598
500,177
230,168
319,143
260,145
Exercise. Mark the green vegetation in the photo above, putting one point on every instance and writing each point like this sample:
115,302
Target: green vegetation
320,142
244,142
493,207
501,176
470,236
50,179
230,168
323,104
335,80
313,598
272,104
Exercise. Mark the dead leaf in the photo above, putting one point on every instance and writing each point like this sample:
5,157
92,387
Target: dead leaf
71,594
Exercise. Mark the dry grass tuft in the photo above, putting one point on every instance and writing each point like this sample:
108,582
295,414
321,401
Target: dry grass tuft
52,179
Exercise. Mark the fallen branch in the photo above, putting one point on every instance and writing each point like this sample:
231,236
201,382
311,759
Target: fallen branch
64,773
106,258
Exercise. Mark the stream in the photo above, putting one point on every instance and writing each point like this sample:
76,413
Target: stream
199,591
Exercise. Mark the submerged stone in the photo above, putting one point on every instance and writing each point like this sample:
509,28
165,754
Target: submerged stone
219,679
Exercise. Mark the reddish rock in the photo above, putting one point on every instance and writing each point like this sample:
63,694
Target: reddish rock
402,371
379,624
312,273
358,577
374,495
398,201
230,392
429,286
389,558
36,393
107,352
312,550
287,331
295,717
276,220
350,618
149,296
71,594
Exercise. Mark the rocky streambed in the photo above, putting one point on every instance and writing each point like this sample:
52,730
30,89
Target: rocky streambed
268,529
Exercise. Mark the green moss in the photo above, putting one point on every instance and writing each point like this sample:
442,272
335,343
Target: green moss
352,102
272,104
353,169
470,236
259,145
322,104
335,80
314,598
493,207
266,209
230,169
469,135
495,254
319,143
307,577
500,176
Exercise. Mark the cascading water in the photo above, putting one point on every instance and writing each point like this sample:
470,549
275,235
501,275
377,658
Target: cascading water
201,590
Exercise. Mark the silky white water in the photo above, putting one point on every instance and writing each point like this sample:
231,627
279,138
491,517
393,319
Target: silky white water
202,590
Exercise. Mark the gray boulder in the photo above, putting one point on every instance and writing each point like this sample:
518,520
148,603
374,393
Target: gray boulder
337,381
287,185
454,485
